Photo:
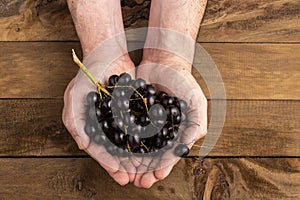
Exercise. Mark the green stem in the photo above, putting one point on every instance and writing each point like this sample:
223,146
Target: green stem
97,83
84,69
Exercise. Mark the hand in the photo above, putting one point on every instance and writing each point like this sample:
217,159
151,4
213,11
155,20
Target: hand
172,74
74,117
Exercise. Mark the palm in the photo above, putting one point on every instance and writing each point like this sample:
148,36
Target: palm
74,119
182,84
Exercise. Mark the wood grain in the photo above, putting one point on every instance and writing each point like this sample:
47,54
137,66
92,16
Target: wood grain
252,128
247,178
251,21
249,71
83,178
224,21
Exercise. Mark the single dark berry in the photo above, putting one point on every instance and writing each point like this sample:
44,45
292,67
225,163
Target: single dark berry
105,125
183,105
139,83
176,120
92,98
181,150
124,79
173,111
151,89
91,129
113,80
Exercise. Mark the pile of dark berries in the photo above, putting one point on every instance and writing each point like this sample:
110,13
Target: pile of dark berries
132,117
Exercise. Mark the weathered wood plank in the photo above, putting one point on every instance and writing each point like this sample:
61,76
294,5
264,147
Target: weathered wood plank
256,71
251,21
51,20
252,128
259,178
83,178
224,21
249,71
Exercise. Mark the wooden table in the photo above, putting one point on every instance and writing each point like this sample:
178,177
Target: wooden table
256,45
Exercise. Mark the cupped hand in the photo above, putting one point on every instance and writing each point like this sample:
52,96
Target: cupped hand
74,115
173,75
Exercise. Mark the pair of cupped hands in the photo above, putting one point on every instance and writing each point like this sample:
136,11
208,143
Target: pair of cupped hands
167,71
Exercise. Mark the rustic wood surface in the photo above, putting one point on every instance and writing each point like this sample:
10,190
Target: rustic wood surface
249,71
82,178
252,128
255,44
224,21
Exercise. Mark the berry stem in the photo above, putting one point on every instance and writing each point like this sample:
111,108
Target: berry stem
97,83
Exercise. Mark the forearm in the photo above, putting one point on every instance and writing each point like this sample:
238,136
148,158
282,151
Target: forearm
96,22
181,18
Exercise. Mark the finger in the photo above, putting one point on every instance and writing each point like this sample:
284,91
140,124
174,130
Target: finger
81,138
141,169
168,160
120,176
163,172
148,179
129,167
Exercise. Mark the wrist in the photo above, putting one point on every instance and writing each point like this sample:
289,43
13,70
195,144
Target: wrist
96,22
166,58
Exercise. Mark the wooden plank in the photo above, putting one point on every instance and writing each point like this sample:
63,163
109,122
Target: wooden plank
252,128
36,69
247,178
249,71
258,128
224,21
83,178
256,71
251,21
51,20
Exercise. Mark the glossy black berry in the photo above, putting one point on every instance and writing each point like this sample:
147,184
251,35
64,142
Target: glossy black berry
139,83
113,80
181,150
124,79
183,105
92,98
